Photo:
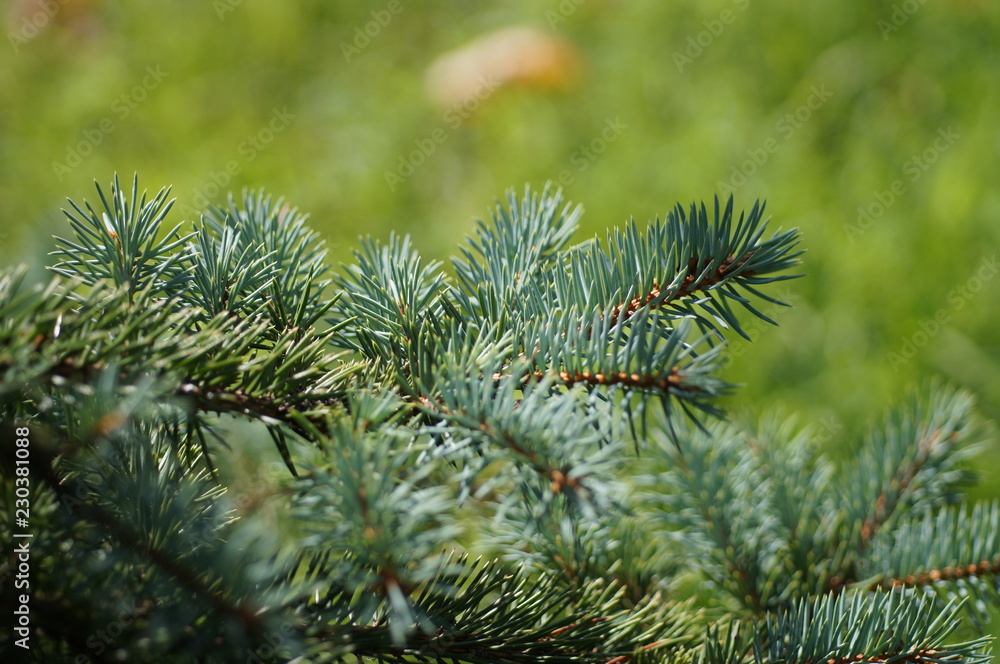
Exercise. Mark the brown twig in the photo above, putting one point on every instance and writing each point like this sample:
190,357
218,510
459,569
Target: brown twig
673,379
690,285
952,573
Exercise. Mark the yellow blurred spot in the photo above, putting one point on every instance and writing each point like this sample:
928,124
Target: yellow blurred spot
510,56
29,17
110,423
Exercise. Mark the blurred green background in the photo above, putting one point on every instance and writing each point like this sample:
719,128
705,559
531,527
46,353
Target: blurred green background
872,126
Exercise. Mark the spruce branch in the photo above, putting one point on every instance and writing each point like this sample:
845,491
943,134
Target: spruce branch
122,244
918,460
893,626
228,277
646,356
122,508
954,553
369,499
445,412
489,614
706,491
797,481
913,464
728,491
621,544
559,307
513,254
482,421
274,233
389,297
52,335
667,263
225,313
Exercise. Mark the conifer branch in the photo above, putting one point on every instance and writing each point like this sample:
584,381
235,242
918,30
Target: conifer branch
488,408
664,265
186,578
260,407
900,485
983,568
690,284
492,619
939,551
866,627
663,383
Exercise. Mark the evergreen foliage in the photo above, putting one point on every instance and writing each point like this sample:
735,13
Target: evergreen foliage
520,460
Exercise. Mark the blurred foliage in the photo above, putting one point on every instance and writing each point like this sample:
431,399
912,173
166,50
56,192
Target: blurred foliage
660,102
